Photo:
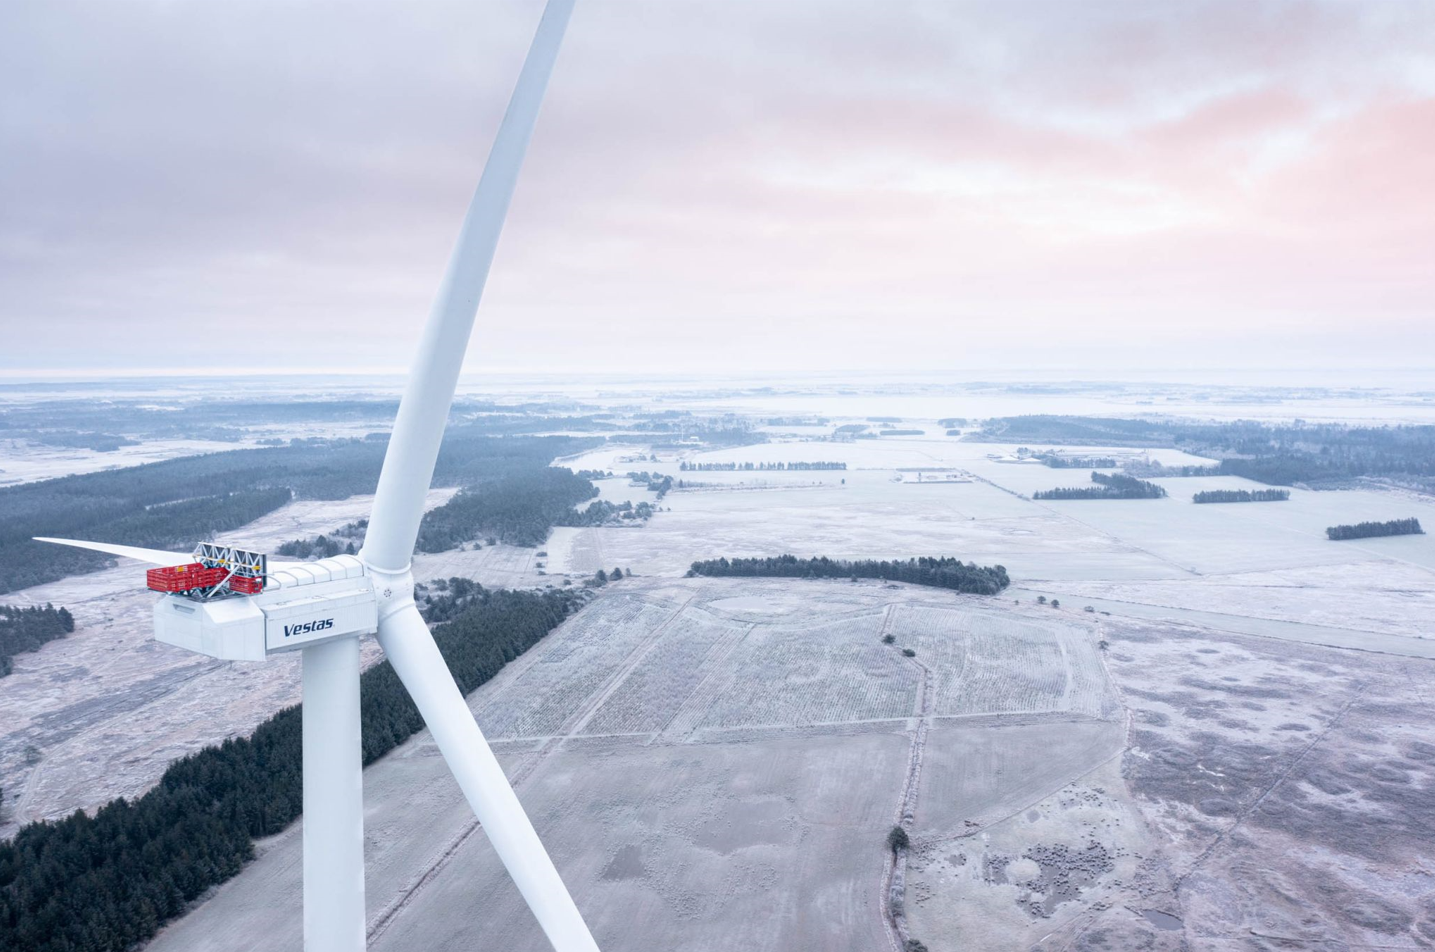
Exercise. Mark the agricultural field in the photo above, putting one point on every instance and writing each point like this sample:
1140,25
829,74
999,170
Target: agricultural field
1141,556
986,665
701,753
704,752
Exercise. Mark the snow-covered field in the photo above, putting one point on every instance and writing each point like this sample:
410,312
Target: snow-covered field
1167,552
720,759
714,764
26,462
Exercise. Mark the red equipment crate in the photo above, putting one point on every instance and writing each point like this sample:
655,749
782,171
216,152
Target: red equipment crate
182,578
245,585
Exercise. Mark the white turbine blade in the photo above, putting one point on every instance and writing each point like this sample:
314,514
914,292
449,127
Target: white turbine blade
416,660
418,430
152,556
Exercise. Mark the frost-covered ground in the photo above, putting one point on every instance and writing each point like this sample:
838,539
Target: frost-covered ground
1258,560
22,461
714,765
1379,595
718,760
100,714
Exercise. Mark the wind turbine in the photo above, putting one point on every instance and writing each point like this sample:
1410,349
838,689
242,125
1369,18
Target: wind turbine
322,608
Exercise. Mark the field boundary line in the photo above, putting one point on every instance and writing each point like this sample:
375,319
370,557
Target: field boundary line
436,865
595,701
1186,570
1211,611
524,770
705,692
894,875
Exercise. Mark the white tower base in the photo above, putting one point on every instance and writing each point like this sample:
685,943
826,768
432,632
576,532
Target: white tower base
334,916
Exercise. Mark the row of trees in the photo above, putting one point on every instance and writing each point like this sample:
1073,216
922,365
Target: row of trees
1109,486
602,577
1150,470
1242,495
1059,461
103,883
687,467
26,629
655,482
1366,530
936,572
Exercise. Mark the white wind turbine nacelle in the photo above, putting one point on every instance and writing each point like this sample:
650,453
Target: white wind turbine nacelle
377,586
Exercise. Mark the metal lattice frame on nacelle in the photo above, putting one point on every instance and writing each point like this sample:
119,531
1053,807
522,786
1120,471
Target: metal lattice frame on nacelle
241,562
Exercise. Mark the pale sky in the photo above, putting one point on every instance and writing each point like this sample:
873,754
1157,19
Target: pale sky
745,186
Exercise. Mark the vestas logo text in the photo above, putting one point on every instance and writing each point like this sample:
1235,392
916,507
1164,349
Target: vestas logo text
308,628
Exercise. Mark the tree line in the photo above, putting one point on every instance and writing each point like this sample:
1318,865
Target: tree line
1367,530
1145,470
1110,486
519,510
26,629
70,439
176,503
342,542
103,883
1278,454
523,508
756,467
655,482
600,512
1059,461
942,572
319,547
1242,495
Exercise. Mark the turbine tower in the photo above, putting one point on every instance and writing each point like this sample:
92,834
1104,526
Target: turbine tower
230,603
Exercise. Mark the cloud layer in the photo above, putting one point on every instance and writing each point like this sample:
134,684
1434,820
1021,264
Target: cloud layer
748,186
